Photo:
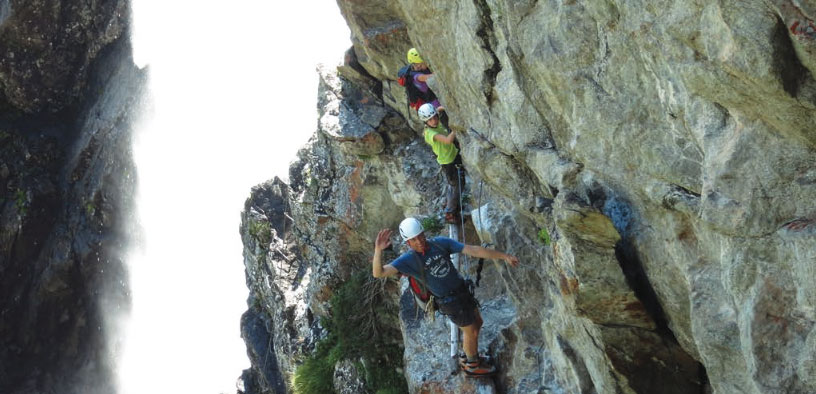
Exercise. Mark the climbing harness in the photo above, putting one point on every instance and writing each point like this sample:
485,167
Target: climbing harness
479,272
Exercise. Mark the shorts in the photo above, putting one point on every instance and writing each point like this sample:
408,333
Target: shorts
459,307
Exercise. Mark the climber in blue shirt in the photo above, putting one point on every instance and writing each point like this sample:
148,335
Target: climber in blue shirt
429,261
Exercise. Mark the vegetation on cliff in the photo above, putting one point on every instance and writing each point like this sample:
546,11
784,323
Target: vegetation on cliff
356,332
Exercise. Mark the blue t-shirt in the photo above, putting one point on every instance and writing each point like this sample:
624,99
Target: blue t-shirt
440,273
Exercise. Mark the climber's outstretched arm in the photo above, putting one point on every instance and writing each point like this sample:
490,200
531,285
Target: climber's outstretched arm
486,253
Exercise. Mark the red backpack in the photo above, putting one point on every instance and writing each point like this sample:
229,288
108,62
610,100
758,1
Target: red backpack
421,292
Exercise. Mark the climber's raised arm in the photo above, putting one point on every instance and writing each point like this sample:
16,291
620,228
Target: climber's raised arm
445,139
377,269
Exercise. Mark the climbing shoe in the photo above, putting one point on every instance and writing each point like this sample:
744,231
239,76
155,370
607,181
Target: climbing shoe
479,367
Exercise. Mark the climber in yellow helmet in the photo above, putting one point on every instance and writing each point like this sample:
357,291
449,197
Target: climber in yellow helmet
414,77
429,261
419,79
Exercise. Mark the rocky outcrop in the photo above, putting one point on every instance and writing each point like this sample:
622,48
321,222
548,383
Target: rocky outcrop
651,165
69,92
302,240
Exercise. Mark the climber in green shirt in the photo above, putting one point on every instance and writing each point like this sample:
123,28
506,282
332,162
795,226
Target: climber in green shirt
442,141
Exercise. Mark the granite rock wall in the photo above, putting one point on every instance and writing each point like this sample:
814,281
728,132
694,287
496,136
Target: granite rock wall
666,149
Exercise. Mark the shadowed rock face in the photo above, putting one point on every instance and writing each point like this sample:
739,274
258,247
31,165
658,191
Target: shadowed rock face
266,376
48,48
68,92
666,148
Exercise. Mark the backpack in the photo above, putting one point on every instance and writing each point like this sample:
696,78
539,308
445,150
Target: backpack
405,77
421,293
423,297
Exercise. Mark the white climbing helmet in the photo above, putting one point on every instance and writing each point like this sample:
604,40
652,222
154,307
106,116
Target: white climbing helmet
410,228
426,112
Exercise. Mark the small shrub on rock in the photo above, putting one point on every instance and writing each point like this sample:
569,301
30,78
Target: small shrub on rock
357,330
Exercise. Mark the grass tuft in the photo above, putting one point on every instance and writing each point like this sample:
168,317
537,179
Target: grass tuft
431,224
21,201
544,236
261,231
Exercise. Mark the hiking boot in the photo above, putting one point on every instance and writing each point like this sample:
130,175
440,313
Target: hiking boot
483,358
478,368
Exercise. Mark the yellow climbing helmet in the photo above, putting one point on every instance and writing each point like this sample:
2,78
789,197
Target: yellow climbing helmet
413,56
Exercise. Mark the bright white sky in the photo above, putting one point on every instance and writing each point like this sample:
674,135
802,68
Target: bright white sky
234,89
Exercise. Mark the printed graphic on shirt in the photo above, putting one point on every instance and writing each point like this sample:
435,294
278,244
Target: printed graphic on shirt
438,266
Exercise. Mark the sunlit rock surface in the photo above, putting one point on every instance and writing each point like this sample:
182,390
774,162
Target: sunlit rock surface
68,92
667,148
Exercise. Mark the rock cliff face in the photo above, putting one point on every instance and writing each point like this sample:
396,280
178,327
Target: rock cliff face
68,89
666,148
359,173
49,48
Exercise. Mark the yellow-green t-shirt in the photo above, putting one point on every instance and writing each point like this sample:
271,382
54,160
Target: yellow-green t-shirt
445,153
